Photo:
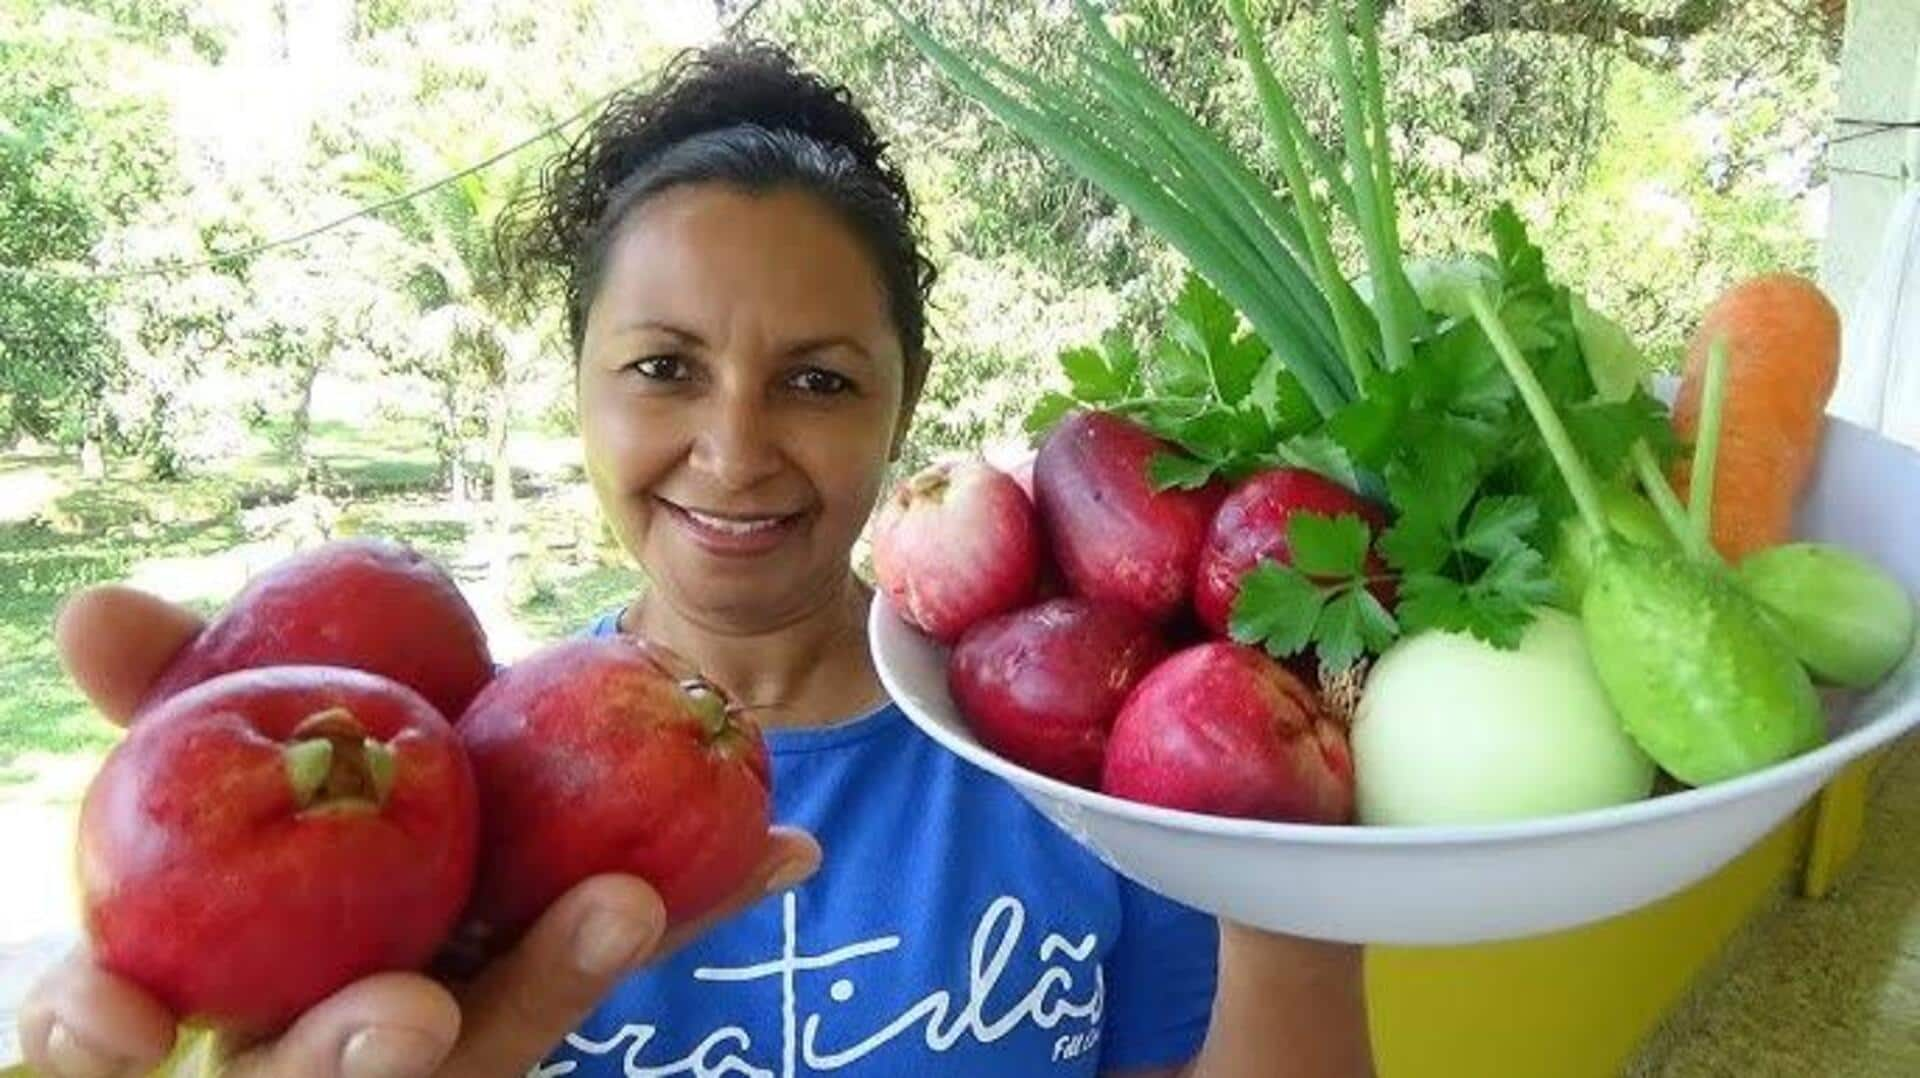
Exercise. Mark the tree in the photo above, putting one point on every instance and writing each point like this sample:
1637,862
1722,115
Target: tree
1622,24
77,158
1600,20
1660,146
305,308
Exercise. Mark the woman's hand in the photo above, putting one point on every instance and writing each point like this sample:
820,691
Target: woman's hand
83,1022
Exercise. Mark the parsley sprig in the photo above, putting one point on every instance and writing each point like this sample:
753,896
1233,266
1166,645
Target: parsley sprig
1323,598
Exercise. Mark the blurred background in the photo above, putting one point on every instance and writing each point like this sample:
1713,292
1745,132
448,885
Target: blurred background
248,299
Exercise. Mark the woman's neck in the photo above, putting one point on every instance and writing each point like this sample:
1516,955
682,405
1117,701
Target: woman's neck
812,671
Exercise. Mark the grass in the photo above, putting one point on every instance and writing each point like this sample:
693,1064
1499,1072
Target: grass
39,567
567,606
381,459
92,532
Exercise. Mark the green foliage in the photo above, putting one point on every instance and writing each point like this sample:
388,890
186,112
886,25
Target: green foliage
73,164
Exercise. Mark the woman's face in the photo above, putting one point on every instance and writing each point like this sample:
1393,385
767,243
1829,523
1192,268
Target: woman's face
740,393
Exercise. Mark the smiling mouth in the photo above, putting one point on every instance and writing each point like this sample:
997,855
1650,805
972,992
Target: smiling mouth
733,533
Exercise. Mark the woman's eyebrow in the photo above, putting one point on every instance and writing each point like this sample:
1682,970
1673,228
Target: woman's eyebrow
821,344
657,326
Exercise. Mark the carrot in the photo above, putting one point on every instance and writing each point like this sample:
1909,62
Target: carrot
1783,356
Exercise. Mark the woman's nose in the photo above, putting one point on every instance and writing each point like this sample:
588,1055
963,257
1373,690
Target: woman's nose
736,444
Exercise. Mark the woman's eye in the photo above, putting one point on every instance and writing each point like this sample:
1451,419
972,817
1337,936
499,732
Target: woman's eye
819,381
660,368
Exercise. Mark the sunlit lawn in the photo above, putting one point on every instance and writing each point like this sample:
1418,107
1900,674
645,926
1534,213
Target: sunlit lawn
197,540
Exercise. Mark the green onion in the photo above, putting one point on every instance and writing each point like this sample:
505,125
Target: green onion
1227,198
1376,99
1383,262
1283,125
1275,260
1049,121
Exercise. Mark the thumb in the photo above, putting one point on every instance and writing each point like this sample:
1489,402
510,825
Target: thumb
389,1025
525,1001
115,641
599,932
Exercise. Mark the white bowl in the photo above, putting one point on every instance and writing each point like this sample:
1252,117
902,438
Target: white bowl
1448,885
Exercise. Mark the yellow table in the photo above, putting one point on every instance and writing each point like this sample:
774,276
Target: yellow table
1579,1003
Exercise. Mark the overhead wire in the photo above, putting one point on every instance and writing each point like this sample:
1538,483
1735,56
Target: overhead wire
249,251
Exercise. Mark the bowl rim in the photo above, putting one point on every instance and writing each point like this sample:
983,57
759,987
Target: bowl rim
885,627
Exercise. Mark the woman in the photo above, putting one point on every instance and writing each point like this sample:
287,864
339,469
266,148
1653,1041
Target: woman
746,294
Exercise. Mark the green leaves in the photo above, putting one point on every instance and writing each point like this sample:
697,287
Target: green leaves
1172,470
1277,607
1493,602
1047,411
1206,384
1614,362
1320,599
1440,429
1328,546
1105,374
1450,399
1497,526
1465,565
1477,498
1351,625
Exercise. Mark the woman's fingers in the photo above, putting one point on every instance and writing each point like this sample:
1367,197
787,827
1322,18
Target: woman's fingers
80,1021
83,1022
115,640
390,1025
526,1000
592,937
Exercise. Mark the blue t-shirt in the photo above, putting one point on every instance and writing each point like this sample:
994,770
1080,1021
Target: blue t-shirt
952,930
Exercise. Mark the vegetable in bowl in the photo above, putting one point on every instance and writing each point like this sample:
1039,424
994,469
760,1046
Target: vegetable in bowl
1497,459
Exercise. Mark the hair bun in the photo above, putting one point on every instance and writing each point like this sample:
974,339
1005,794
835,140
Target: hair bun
747,82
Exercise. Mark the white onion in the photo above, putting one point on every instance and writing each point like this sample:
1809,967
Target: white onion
1451,730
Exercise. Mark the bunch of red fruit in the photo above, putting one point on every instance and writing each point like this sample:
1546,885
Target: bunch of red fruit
1088,615
331,780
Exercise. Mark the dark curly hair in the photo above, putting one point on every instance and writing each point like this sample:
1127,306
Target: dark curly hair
739,113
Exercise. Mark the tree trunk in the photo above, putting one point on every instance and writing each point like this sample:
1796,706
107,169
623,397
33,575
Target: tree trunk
457,477
499,414
93,454
308,374
451,449
93,461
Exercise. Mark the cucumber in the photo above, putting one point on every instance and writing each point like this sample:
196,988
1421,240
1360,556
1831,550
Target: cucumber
1847,619
1703,682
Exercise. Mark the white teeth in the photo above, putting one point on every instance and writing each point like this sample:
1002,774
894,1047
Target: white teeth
729,526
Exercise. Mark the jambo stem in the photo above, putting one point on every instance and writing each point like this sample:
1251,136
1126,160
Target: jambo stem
308,763
332,764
